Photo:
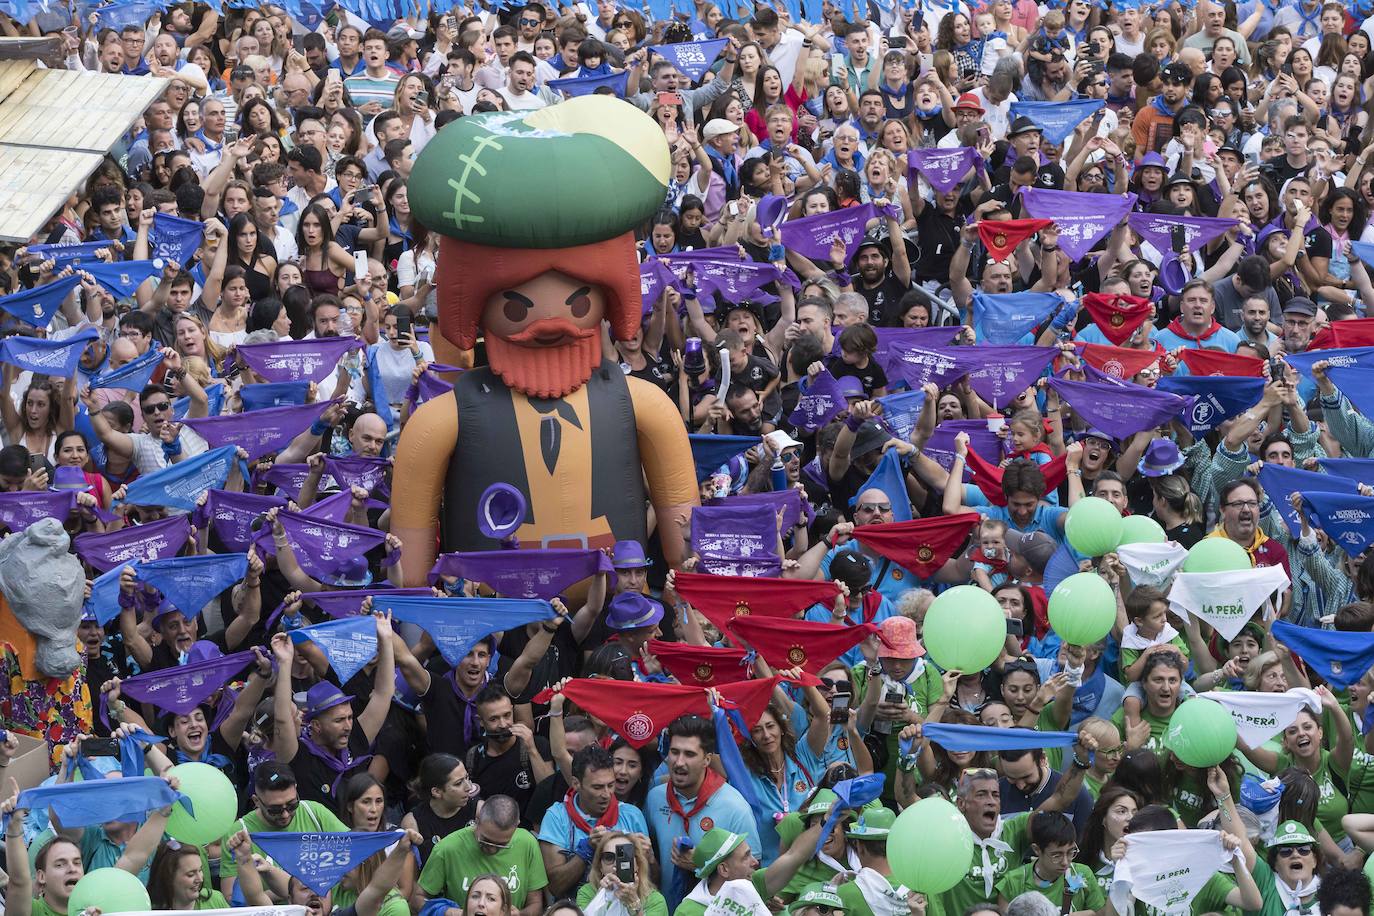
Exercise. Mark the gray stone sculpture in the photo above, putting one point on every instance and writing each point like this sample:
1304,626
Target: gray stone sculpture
45,587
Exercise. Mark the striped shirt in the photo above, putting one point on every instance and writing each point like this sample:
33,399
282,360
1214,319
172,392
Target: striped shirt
380,89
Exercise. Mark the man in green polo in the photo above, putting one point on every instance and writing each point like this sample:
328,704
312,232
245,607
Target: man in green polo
871,892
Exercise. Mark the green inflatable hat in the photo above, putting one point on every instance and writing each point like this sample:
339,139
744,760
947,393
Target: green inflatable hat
579,172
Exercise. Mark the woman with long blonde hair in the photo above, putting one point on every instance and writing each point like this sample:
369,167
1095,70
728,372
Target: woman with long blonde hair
638,896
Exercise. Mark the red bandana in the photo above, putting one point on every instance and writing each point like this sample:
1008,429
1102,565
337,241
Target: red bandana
921,545
800,643
608,818
722,598
1117,362
709,786
1116,317
637,712
1001,236
1219,362
988,477
700,666
1356,332
1177,327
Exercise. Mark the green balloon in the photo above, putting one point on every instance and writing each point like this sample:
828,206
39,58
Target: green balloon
964,629
114,890
215,802
1093,526
1201,733
1082,609
1141,529
1220,554
945,843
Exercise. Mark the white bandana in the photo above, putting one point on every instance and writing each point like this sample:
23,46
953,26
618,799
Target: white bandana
1152,564
882,898
1131,638
996,844
1292,897
842,871
1261,716
733,899
1226,600
1165,869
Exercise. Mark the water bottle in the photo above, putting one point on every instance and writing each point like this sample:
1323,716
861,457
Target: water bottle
779,475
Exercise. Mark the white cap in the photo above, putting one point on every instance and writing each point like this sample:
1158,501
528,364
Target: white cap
781,440
717,127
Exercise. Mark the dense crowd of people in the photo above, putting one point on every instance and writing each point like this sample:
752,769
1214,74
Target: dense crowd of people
942,271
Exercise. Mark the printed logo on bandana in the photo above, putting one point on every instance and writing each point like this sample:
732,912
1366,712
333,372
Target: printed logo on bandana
707,823
638,727
1000,240
703,673
1202,413
1335,667
796,655
1113,367
1117,320
924,553
742,609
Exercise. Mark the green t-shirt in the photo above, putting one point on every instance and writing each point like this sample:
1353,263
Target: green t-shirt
41,908
1211,899
972,889
1130,656
393,904
654,905
1273,903
1158,726
215,901
310,817
855,904
456,860
1331,803
1360,783
1019,880
924,691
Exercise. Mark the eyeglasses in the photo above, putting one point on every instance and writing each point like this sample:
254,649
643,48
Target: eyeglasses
608,855
1112,751
159,407
1287,852
874,507
1062,855
530,21
1243,504
833,684
283,808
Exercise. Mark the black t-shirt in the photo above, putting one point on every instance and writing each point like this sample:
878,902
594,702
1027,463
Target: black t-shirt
1281,171
1317,243
937,238
509,773
757,375
882,299
871,376
446,715
317,780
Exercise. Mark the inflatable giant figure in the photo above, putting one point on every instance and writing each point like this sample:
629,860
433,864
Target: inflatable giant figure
537,210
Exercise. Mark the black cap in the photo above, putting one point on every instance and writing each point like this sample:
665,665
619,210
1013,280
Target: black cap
1022,125
1300,305
851,568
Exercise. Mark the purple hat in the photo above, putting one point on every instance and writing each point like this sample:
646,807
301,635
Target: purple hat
769,213
323,696
1161,457
69,478
1093,432
1172,274
850,386
630,610
353,572
202,650
628,555
1152,159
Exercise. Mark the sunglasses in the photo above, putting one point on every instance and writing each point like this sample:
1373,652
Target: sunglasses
531,21
1287,852
278,810
791,455
159,407
875,507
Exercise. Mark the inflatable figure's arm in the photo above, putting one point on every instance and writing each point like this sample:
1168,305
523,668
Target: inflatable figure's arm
422,458
667,458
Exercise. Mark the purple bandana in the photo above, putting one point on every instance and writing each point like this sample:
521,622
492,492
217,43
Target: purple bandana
1120,411
288,478
791,501
231,515
1083,219
918,365
358,471
21,509
654,278
819,404
812,236
734,280
906,337
323,548
535,573
136,544
736,540
940,446
944,168
333,508
1198,230
261,431
297,360
180,690
999,374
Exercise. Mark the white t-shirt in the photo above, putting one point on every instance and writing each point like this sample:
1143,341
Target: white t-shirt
996,117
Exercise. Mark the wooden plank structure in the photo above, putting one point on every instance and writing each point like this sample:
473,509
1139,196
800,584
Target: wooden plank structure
55,126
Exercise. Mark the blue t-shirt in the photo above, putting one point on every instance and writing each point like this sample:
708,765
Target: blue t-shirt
726,808
801,770
1046,518
559,830
1220,339
889,578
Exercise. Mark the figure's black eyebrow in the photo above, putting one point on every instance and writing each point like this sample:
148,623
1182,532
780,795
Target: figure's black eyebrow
577,294
516,297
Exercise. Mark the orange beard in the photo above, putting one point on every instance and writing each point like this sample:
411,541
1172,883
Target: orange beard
544,370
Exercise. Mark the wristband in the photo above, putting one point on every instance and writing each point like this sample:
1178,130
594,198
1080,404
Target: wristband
127,602
853,423
319,428
841,277
392,558
171,448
